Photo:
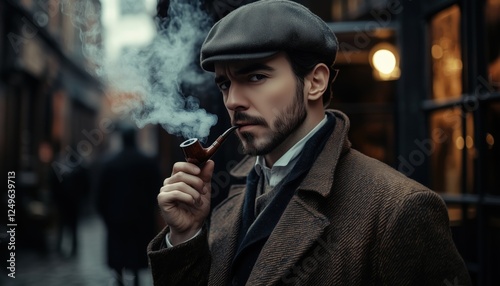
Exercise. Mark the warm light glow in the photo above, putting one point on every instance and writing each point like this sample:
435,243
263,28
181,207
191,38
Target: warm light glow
437,51
452,65
459,142
384,61
490,140
469,142
446,53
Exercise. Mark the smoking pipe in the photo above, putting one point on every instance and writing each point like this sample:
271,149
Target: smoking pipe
196,154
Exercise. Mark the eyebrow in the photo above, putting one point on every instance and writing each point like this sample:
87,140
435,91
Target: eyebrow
220,79
246,70
253,67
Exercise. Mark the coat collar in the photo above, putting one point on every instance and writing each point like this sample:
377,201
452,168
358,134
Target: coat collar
320,177
336,145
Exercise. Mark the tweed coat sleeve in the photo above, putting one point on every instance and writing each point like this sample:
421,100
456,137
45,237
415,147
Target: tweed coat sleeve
417,246
184,264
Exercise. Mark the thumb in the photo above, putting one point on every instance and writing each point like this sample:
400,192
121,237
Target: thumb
207,171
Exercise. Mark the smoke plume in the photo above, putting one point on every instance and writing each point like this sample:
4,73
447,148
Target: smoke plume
149,80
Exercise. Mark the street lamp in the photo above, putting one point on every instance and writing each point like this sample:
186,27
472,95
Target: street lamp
384,60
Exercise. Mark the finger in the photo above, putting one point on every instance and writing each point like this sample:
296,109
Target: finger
193,181
207,171
176,196
182,187
185,167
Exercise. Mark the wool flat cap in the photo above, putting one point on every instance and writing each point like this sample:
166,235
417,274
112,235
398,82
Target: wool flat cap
263,28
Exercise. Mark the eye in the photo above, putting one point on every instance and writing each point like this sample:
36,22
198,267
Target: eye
224,85
257,77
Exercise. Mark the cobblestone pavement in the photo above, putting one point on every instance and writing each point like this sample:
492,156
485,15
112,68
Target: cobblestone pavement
88,268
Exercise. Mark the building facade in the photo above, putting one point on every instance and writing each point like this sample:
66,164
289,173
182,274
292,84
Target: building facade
47,98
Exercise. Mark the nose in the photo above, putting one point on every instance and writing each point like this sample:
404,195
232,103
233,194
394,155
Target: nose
236,99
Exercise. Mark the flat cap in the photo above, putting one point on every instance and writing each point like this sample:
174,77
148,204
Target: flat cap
263,28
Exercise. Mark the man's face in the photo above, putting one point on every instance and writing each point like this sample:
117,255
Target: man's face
264,98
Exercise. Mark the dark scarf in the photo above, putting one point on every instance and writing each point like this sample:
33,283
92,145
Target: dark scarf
254,233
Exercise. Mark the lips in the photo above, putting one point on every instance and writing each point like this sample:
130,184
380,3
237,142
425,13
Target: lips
241,124
245,127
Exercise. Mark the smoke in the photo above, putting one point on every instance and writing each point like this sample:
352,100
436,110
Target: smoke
148,81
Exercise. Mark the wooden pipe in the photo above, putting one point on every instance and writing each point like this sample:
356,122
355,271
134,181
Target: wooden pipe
196,154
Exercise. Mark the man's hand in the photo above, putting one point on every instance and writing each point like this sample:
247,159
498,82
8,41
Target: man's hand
184,199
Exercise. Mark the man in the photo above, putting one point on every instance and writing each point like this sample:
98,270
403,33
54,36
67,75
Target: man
126,191
313,211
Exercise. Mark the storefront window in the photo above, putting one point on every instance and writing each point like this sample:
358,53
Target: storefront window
492,12
492,137
446,126
448,142
446,54
450,146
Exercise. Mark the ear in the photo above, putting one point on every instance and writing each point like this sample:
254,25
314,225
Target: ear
318,81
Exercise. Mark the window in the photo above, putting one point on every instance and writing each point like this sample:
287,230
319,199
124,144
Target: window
492,16
446,128
463,114
492,84
446,54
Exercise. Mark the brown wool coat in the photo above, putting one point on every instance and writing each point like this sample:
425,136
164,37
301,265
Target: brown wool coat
352,221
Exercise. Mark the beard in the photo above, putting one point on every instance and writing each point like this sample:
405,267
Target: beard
287,121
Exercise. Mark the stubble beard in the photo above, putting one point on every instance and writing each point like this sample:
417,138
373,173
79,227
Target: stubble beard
287,122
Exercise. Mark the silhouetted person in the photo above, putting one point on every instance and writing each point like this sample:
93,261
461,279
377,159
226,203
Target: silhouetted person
127,191
69,188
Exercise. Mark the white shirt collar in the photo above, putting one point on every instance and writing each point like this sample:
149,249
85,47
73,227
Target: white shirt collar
285,163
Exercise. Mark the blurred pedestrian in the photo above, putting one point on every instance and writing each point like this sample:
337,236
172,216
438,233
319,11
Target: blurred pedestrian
127,190
68,189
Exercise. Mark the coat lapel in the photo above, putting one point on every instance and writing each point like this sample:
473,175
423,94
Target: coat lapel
278,256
